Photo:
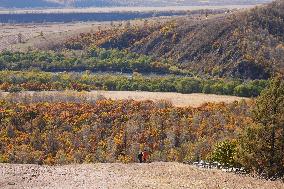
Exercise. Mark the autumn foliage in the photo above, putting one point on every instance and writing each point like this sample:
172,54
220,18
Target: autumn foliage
114,131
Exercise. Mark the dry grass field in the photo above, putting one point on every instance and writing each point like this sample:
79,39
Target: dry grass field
177,99
52,33
46,35
103,176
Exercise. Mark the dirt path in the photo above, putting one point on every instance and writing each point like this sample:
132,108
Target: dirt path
153,175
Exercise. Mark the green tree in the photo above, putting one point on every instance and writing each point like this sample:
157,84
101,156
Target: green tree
262,144
242,90
224,153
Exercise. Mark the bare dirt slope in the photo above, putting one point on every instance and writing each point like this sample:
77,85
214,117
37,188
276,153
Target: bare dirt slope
153,175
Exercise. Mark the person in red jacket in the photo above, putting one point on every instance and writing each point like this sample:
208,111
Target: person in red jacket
145,156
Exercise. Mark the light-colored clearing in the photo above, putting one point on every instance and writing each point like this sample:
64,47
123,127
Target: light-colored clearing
177,99
53,34
123,176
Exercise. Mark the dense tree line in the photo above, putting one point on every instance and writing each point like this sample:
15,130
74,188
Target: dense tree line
15,81
93,59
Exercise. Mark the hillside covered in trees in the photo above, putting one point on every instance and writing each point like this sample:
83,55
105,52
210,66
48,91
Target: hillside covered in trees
110,131
246,44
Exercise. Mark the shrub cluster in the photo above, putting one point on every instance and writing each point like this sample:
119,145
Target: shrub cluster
92,59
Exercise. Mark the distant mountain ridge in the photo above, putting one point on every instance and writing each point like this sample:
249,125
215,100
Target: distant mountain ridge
27,3
108,3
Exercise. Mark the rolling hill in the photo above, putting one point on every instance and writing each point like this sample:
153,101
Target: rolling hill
248,44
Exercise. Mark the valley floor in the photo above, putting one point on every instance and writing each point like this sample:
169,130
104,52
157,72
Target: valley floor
153,175
177,99
52,33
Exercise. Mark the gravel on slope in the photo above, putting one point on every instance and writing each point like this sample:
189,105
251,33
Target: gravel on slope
124,176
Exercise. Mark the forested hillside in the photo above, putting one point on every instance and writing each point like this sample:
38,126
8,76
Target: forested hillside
247,45
110,131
